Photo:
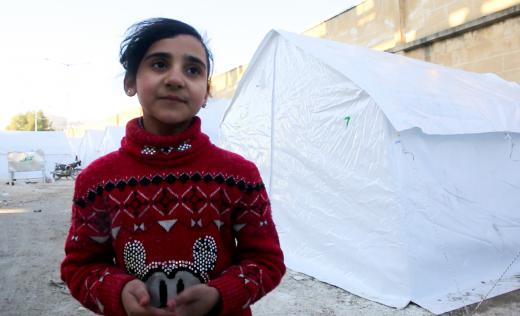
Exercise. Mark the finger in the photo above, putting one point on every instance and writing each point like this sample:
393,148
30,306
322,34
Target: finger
133,308
154,311
187,296
141,295
183,299
171,305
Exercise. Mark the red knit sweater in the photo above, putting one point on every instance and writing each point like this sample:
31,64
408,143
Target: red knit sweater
172,211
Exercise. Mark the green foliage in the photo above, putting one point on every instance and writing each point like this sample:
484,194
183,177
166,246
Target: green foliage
25,122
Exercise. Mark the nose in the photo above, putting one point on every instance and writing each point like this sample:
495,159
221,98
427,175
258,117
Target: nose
175,78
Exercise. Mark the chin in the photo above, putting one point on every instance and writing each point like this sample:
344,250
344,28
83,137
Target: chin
174,119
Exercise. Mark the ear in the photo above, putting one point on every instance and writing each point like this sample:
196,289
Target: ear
205,253
134,256
208,91
129,86
205,100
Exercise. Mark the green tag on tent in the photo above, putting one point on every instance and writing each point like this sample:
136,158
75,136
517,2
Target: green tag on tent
347,120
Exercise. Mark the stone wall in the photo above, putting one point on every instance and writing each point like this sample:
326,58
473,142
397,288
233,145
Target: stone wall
475,35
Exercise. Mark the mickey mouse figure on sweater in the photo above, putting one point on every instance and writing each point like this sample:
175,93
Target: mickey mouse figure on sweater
167,279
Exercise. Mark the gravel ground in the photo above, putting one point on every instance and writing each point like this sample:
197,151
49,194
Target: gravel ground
34,220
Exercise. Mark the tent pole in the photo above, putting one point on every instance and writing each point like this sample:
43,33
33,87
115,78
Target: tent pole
272,120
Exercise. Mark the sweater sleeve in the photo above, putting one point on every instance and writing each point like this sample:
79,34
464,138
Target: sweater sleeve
259,259
88,268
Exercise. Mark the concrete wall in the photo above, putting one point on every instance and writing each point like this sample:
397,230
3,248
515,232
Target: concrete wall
494,48
223,85
425,17
475,35
371,23
119,119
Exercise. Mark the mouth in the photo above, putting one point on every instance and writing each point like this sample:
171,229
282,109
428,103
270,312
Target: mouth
173,98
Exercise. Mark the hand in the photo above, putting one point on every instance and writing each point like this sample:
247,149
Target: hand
197,300
136,301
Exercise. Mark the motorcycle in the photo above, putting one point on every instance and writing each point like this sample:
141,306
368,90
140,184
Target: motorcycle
66,170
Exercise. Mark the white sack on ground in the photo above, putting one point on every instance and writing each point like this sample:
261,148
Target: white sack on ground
53,144
395,179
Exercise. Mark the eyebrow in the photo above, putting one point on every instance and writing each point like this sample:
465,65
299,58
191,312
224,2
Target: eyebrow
189,58
196,60
158,55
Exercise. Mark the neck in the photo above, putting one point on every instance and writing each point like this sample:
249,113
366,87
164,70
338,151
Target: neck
174,148
158,128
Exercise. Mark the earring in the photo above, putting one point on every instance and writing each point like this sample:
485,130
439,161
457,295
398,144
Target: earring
130,91
204,105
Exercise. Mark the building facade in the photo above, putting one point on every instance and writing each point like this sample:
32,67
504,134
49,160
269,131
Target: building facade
474,35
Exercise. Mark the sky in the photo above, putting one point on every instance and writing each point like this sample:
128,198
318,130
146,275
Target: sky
61,56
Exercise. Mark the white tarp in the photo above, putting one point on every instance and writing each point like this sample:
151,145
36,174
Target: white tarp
395,179
75,143
111,139
53,145
90,146
485,102
211,116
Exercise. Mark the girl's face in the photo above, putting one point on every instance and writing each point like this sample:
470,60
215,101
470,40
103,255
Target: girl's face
171,84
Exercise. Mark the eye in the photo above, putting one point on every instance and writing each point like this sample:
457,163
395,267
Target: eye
159,65
194,70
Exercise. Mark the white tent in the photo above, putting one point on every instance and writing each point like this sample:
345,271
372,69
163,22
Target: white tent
75,143
54,145
211,116
90,146
395,179
111,139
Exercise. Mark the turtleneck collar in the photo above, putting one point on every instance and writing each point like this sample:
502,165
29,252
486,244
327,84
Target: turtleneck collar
163,149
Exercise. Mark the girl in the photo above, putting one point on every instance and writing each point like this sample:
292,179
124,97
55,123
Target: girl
170,224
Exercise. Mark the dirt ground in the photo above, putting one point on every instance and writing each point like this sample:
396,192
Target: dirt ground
34,220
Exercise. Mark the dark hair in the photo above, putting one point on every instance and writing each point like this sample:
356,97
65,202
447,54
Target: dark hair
140,36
